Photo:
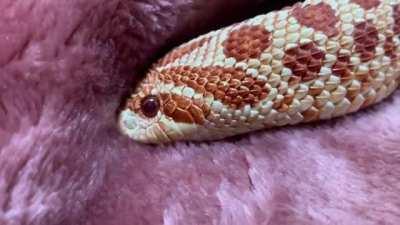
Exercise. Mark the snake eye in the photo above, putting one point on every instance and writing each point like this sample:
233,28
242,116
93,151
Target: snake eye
150,105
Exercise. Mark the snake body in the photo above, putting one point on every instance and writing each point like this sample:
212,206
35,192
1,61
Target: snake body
315,60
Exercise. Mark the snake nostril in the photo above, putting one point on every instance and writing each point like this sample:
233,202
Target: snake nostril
150,105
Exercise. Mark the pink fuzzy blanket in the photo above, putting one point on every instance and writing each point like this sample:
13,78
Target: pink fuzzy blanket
65,68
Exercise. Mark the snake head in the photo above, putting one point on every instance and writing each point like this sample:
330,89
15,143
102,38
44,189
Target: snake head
158,112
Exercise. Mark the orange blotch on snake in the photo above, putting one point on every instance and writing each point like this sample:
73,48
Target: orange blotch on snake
232,86
390,49
211,87
197,114
305,61
182,115
321,17
366,39
343,67
367,4
183,109
247,42
234,83
169,107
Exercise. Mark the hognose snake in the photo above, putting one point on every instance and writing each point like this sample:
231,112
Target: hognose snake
316,60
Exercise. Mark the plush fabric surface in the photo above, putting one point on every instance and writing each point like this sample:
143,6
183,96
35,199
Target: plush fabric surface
65,68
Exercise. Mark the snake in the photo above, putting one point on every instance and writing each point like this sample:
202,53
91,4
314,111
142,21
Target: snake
311,61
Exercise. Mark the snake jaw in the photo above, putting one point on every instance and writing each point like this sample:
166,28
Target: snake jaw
141,129
160,129
133,125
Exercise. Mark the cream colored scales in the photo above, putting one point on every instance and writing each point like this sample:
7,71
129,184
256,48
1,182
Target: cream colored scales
314,61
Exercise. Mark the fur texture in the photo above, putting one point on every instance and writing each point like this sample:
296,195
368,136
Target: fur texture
66,66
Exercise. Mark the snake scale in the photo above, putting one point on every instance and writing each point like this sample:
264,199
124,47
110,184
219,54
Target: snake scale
315,60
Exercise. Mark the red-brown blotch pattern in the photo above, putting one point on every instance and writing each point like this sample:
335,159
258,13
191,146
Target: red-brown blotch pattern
230,85
247,42
367,4
366,40
321,17
343,67
305,61
184,109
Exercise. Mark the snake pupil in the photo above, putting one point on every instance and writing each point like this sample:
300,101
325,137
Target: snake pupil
150,106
